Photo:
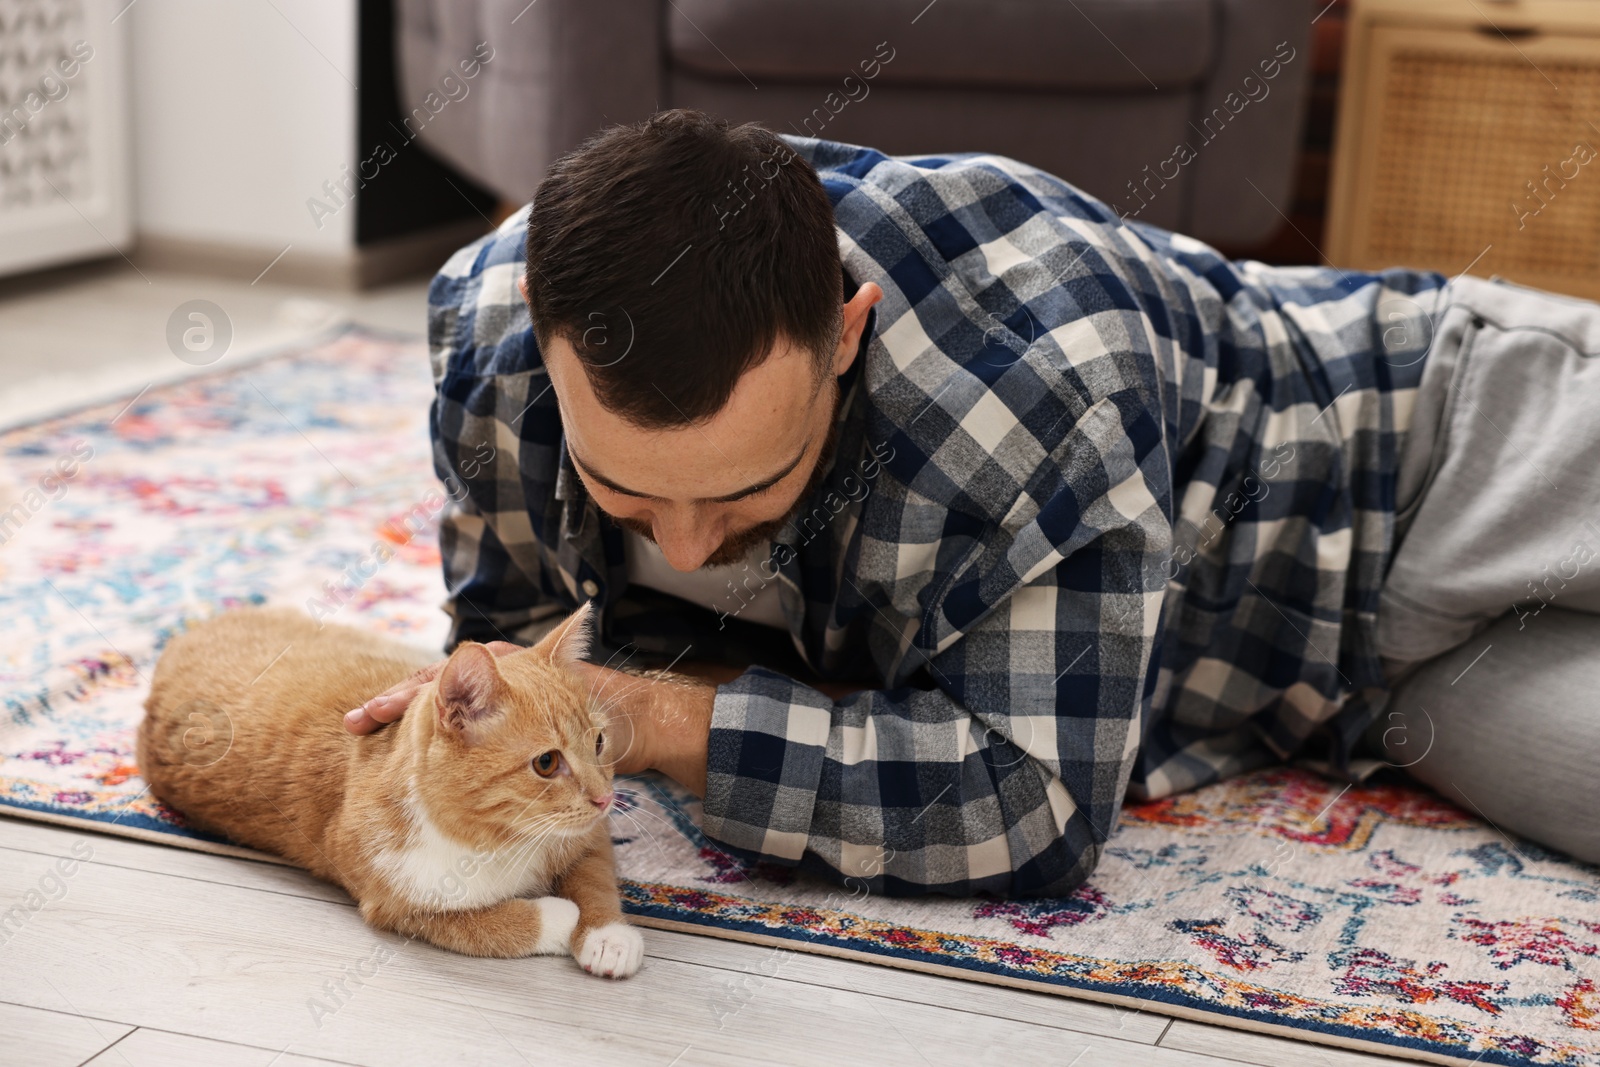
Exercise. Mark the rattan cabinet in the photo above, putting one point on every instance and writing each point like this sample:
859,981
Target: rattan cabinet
1468,140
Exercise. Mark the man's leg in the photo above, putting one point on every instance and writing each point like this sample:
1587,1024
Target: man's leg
1511,734
1499,490
1495,677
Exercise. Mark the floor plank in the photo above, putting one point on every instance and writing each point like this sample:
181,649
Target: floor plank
48,839
1244,1046
1045,1009
159,1048
248,966
51,1038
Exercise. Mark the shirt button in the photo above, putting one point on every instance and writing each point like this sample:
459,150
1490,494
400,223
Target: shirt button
589,587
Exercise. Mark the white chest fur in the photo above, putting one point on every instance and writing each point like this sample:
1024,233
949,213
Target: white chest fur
437,872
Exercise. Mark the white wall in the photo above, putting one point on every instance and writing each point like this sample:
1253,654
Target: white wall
242,109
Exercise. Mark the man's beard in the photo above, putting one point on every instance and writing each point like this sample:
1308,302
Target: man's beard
735,548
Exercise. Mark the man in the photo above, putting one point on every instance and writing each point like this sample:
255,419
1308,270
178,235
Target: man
995,508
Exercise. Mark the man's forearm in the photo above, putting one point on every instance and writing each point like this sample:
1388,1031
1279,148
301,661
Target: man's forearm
679,730
681,726
659,720
668,716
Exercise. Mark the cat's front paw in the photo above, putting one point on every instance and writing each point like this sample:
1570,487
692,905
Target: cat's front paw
614,950
558,917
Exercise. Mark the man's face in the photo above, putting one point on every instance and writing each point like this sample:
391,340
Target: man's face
760,529
707,493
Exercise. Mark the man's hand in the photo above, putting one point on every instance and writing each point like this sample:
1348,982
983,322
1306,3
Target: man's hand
652,723
390,704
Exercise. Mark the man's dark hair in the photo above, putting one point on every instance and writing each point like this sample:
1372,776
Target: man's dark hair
673,253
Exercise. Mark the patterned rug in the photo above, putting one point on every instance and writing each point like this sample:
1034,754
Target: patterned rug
1379,918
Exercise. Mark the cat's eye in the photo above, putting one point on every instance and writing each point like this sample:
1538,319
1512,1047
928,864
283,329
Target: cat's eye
599,742
547,763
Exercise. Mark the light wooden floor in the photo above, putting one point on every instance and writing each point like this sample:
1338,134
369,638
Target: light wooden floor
153,956
158,956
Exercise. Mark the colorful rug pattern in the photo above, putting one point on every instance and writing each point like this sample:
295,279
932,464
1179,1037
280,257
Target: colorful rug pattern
1381,917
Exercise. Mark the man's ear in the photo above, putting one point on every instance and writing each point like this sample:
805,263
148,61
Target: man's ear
470,691
855,323
522,286
570,642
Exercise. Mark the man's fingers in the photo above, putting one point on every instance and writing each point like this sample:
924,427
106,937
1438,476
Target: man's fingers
357,721
390,704
387,707
381,709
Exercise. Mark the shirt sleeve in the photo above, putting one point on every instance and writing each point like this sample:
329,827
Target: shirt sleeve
1005,773
489,598
492,594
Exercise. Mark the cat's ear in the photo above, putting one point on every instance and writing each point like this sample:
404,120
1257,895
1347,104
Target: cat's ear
470,690
570,641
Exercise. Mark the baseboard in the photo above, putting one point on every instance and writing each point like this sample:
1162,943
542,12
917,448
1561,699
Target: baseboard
363,267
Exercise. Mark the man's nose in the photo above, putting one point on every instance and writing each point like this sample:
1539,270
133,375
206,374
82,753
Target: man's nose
687,545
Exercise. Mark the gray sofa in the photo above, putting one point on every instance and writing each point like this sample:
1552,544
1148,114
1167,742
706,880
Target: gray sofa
1100,92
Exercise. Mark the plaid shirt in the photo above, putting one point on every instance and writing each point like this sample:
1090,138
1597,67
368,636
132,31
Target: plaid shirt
1108,517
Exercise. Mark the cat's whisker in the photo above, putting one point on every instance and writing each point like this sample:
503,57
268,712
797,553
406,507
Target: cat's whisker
520,826
569,827
529,847
634,813
655,839
641,809
527,835
537,825
606,710
640,684
553,824
605,685
516,820
624,662
669,827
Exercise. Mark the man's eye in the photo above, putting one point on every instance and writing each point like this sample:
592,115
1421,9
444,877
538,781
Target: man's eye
546,763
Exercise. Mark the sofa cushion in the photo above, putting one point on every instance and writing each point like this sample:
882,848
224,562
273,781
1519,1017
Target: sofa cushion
1050,44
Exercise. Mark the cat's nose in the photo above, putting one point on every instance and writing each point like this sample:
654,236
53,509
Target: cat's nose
602,802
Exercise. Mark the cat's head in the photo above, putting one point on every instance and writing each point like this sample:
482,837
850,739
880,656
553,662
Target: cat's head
519,737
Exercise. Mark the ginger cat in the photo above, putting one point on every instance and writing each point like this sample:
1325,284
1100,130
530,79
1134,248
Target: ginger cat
488,791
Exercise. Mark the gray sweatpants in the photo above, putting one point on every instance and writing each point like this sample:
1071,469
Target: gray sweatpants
1489,618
